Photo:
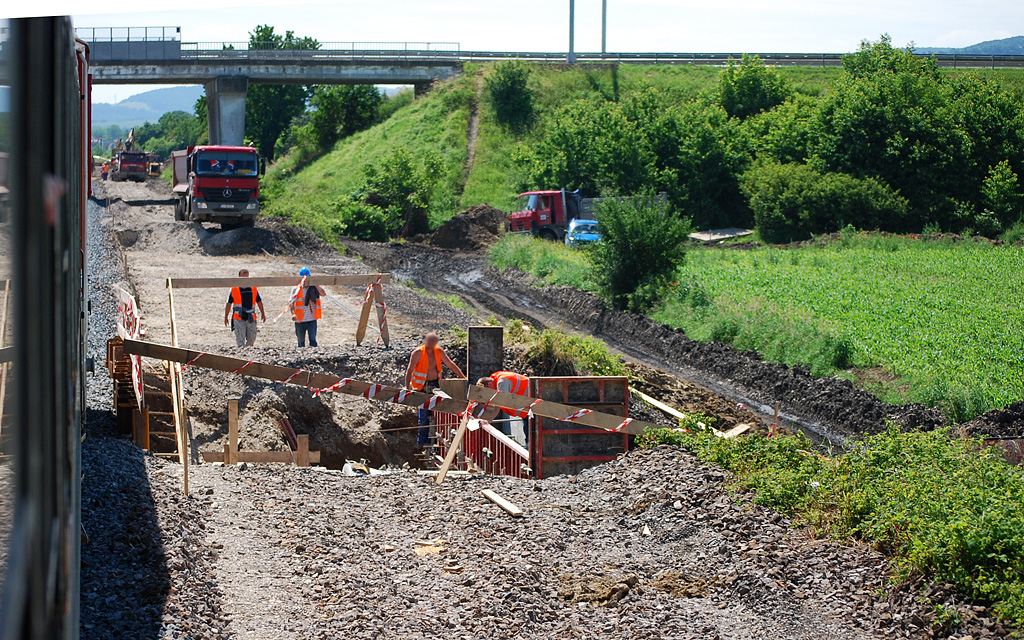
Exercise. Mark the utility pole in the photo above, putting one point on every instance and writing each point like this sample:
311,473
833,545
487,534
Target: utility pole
604,27
571,59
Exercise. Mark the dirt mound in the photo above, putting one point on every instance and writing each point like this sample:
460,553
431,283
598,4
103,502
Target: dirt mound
475,228
1007,422
237,242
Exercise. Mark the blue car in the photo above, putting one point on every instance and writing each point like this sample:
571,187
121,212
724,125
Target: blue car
582,232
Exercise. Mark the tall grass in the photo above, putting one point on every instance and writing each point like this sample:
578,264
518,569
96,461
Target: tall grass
552,262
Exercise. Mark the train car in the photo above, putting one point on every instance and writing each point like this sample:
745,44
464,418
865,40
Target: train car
44,136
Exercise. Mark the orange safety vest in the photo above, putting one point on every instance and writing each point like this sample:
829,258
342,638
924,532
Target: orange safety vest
304,313
421,372
520,387
236,303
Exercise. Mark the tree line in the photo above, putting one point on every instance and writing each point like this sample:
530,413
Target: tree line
894,145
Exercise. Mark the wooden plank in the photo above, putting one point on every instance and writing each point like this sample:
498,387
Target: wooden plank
145,429
178,395
302,453
233,432
511,508
453,449
384,393
284,457
739,429
378,299
675,413
277,281
364,320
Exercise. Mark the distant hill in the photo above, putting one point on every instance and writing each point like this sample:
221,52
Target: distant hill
145,107
1006,47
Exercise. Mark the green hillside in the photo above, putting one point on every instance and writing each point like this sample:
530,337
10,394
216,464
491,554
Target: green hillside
440,122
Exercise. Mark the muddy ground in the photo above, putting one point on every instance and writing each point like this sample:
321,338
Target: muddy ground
830,408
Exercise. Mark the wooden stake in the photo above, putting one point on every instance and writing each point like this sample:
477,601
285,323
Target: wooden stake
145,429
232,432
302,454
511,508
453,448
364,320
378,299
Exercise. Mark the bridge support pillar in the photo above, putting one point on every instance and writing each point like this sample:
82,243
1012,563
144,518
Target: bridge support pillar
420,89
225,109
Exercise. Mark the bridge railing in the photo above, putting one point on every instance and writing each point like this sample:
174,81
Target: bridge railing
326,51
129,34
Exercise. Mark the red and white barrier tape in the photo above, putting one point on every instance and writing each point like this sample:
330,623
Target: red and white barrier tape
433,402
291,377
334,387
400,396
623,425
191,362
372,391
302,283
239,369
486,404
576,416
529,409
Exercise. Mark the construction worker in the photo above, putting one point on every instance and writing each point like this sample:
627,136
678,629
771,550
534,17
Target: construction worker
105,170
305,308
241,309
514,383
424,374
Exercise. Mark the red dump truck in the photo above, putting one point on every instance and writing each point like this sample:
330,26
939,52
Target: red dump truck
129,165
217,184
546,214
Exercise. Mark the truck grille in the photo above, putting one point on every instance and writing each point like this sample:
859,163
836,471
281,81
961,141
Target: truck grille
227,195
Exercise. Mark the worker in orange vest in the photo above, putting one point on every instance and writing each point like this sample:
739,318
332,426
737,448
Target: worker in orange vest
516,384
241,309
424,374
305,308
105,170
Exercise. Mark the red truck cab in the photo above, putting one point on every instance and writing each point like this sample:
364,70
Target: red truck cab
218,184
546,214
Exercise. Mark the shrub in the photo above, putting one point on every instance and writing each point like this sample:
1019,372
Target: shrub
794,201
510,94
341,110
641,246
401,189
750,87
1001,195
361,221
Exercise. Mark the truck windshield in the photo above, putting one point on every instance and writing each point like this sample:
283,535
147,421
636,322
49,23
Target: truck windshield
581,229
529,202
217,163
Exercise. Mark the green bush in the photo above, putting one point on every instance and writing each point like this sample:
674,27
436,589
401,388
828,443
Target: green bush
402,189
1001,195
748,88
794,201
556,353
641,247
362,221
511,97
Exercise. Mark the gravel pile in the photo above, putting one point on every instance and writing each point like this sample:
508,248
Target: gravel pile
650,546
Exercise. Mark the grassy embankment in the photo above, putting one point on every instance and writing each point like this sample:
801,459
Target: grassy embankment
910,320
439,122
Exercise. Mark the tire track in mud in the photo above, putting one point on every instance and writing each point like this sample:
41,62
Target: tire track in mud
829,410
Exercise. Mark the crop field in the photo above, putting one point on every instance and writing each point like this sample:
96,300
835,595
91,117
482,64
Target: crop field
935,322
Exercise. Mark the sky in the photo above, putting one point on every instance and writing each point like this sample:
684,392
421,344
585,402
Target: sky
542,25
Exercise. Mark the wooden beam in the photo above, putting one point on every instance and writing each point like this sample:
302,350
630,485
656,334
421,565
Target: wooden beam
738,430
453,449
277,281
384,393
284,457
302,453
511,508
675,413
145,429
232,432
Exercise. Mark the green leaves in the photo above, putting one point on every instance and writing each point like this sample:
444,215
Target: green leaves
750,87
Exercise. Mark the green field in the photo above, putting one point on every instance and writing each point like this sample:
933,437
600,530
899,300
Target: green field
936,322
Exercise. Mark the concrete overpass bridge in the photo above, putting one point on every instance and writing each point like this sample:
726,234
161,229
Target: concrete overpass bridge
156,55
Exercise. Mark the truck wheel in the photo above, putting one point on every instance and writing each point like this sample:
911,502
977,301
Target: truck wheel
179,211
548,234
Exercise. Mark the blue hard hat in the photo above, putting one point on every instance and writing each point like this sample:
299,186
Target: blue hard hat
304,271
